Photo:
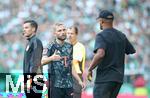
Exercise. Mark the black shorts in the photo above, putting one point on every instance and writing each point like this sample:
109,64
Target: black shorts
106,89
76,86
77,89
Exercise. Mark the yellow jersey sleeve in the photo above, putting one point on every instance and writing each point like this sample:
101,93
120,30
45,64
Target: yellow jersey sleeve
79,55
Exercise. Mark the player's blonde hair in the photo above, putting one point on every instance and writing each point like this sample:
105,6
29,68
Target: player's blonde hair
56,25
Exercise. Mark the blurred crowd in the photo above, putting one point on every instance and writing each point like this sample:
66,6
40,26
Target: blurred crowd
132,17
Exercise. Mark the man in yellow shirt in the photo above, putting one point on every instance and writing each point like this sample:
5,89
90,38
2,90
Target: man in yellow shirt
78,58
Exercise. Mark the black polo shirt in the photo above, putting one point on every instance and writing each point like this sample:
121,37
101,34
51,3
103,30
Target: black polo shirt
32,55
116,45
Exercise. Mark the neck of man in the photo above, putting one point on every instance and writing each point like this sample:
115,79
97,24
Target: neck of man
61,42
74,42
108,26
28,38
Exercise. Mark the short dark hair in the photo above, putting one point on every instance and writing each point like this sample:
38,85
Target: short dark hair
75,29
33,24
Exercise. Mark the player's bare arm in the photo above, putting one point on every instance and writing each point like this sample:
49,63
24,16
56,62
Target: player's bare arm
45,59
75,75
96,59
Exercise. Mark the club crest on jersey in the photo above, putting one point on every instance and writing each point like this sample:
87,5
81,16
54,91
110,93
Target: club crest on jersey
58,52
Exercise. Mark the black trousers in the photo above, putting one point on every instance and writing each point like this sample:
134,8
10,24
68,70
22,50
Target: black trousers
106,89
62,92
35,89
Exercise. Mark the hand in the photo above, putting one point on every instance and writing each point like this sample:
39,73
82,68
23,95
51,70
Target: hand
56,57
82,85
89,76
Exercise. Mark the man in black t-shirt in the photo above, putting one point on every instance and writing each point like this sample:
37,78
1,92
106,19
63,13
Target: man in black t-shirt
110,48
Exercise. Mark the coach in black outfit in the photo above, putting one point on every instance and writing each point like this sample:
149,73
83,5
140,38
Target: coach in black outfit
110,48
32,58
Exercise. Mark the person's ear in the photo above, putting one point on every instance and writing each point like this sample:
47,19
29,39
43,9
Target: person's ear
33,29
102,21
55,33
